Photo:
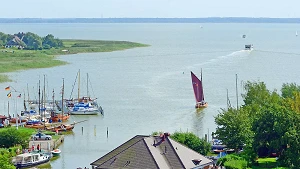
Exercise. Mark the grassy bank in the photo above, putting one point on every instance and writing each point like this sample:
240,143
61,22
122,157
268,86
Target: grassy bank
13,59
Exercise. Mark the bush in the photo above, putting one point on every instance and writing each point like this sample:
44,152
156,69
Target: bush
10,137
81,45
192,141
229,157
235,164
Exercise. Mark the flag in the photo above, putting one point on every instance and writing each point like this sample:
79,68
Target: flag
19,96
7,88
9,95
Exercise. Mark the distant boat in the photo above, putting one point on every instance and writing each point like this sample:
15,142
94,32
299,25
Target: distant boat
244,36
198,91
249,47
296,33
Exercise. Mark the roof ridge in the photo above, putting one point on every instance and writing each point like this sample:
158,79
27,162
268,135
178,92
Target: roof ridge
150,152
142,137
168,139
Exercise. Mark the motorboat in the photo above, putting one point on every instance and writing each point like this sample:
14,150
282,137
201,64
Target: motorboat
56,152
249,47
27,160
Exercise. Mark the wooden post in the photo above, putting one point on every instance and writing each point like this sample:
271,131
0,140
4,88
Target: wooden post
107,132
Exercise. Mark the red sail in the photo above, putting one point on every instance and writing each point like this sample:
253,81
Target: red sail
198,88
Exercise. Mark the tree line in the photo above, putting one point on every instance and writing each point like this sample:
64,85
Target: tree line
30,41
267,124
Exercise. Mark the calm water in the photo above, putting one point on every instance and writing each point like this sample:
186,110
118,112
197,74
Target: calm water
149,89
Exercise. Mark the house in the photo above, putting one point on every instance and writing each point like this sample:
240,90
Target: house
16,41
152,152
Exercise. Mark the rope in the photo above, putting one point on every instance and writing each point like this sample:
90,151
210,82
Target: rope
73,86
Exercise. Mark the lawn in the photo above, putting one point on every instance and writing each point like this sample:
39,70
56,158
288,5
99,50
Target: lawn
267,163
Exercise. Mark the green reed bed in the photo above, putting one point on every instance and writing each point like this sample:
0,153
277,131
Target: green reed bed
13,59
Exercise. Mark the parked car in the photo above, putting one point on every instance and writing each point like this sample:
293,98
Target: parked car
1,125
41,136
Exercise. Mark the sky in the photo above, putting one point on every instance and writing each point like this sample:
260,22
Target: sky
148,8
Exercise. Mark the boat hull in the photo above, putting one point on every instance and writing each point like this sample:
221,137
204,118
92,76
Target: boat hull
56,152
201,105
84,112
61,129
27,165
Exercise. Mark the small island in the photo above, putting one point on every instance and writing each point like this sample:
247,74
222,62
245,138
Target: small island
23,51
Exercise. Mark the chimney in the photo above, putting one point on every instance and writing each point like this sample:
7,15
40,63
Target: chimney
196,161
154,144
162,136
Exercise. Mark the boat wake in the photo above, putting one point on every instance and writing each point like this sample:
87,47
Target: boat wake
157,86
240,53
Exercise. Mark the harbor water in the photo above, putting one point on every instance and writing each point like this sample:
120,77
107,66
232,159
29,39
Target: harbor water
143,90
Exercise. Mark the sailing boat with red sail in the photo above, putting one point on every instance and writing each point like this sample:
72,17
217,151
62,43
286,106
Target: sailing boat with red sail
198,91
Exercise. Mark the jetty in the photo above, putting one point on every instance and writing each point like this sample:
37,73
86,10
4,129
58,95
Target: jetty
47,145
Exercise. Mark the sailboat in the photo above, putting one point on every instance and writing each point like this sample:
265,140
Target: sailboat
60,117
84,105
296,33
198,91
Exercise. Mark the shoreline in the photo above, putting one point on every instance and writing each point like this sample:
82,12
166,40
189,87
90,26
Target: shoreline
13,59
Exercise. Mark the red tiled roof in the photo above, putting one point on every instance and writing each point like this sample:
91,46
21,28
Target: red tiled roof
2,117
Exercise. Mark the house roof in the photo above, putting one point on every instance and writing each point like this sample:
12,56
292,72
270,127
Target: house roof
3,117
151,152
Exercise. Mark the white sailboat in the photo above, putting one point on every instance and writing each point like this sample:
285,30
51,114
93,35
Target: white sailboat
296,33
84,105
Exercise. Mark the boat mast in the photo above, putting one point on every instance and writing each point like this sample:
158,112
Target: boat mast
228,101
237,98
202,87
44,102
8,108
44,91
53,100
27,94
62,100
25,108
39,97
87,85
78,84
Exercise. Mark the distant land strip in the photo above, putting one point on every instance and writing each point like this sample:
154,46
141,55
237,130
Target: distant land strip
152,20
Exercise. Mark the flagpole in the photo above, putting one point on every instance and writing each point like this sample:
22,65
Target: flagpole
17,118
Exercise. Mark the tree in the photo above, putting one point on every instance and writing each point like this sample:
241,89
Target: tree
288,90
33,41
11,136
291,94
192,141
3,38
5,162
51,41
234,128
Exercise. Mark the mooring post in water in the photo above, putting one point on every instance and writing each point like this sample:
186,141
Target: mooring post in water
82,130
107,132
95,130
